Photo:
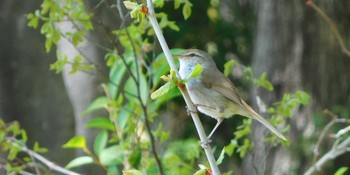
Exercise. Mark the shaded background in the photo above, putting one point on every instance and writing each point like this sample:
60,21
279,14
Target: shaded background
286,39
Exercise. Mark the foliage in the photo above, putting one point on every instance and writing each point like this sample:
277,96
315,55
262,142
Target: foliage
13,142
134,93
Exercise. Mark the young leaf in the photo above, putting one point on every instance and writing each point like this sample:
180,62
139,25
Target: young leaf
341,171
196,71
79,161
221,157
130,5
228,66
162,90
303,97
186,11
76,142
177,4
39,149
265,83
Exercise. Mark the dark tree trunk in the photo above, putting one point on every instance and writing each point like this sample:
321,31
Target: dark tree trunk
278,52
299,52
29,92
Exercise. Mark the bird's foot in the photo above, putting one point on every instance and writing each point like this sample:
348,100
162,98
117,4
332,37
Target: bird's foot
205,143
189,111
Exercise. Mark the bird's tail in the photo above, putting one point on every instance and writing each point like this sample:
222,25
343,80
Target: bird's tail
262,120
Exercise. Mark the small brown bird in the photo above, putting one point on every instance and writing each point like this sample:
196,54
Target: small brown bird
214,94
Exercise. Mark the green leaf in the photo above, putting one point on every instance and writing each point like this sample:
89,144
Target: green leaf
33,20
177,4
163,90
79,161
113,170
221,157
303,97
98,103
201,172
130,5
48,44
123,117
100,142
231,147
158,3
228,66
197,70
265,83
116,75
24,136
111,156
132,172
101,122
134,89
39,149
186,10
135,158
160,66
76,142
341,171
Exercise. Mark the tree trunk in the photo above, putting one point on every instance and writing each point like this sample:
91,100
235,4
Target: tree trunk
29,92
297,49
278,51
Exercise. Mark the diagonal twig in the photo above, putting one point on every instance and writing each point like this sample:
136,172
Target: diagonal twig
189,103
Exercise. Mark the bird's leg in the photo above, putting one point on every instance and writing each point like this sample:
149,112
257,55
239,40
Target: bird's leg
207,141
219,120
191,111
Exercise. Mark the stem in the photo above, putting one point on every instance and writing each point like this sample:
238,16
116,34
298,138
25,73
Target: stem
154,151
190,105
331,25
137,82
42,159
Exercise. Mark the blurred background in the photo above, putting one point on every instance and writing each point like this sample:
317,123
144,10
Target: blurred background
288,40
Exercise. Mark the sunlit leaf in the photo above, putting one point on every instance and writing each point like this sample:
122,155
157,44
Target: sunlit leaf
187,9
163,90
197,70
39,149
228,66
130,5
79,161
303,97
76,142
221,157
341,171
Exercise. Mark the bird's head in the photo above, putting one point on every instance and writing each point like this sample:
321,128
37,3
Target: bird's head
195,56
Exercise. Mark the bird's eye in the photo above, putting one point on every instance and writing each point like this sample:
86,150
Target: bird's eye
192,55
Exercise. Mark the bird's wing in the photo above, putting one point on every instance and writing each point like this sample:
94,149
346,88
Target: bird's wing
214,79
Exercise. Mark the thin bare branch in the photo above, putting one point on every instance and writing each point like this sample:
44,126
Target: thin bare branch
42,159
331,24
338,150
189,103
